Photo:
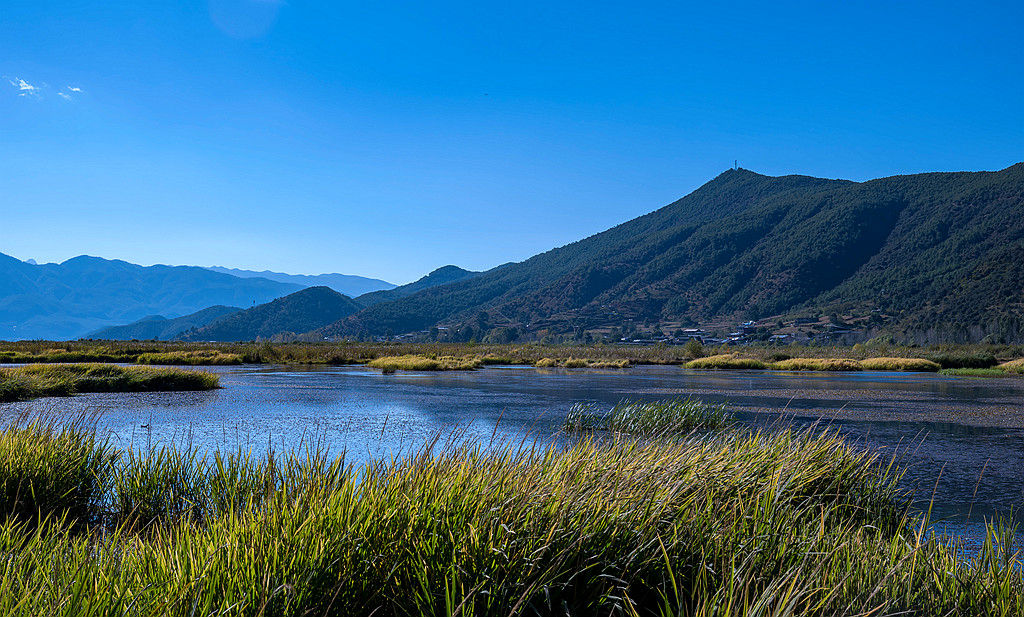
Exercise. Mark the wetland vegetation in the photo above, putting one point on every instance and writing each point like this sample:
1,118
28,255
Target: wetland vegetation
35,381
877,356
737,523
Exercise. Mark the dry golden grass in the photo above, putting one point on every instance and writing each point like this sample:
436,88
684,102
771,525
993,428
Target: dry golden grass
581,363
726,361
817,364
899,364
1013,366
411,362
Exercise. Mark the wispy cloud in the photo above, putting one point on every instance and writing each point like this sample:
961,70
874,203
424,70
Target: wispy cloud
68,91
24,88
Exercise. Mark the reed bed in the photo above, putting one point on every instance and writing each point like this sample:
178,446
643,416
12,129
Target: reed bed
726,361
524,353
580,363
974,372
34,381
202,357
899,364
664,417
737,524
816,364
390,364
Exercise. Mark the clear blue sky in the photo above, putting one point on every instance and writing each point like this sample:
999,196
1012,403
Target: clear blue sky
389,138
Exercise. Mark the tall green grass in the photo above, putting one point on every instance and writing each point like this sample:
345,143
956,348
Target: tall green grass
28,382
737,524
647,417
52,471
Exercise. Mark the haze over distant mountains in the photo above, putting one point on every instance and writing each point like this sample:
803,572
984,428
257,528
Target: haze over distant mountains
287,318
348,284
938,253
70,299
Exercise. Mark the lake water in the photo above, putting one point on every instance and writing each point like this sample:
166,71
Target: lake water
962,438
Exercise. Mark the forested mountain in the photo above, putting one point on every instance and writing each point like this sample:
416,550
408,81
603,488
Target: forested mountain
160,328
348,284
80,295
940,252
441,276
296,313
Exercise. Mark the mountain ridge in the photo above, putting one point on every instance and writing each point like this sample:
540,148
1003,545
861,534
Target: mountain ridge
86,293
746,246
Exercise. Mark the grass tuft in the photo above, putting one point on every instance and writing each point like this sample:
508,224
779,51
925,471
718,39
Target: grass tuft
974,372
899,364
390,364
28,382
726,361
571,362
208,357
816,364
1013,366
647,417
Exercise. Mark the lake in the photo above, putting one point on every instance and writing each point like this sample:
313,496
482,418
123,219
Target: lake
963,439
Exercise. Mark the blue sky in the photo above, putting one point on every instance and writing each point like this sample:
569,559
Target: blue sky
390,138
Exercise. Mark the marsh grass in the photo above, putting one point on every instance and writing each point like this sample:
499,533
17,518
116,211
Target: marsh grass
390,364
726,361
974,372
663,417
202,357
1013,366
48,471
580,363
816,364
899,364
736,523
34,381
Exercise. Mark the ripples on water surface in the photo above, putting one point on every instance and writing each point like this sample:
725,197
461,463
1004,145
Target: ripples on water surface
962,438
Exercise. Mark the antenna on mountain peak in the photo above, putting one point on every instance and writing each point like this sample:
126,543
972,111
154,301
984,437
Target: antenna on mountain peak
735,164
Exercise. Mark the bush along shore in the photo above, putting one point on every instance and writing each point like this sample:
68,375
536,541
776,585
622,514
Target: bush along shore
29,382
731,524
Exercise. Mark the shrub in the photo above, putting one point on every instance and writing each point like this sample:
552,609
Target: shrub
898,364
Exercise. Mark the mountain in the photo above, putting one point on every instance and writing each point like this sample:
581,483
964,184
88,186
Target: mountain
302,311
157,327
80,295
441,276
348,284
936,252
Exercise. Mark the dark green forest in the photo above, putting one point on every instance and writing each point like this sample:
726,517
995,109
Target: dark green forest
939,254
